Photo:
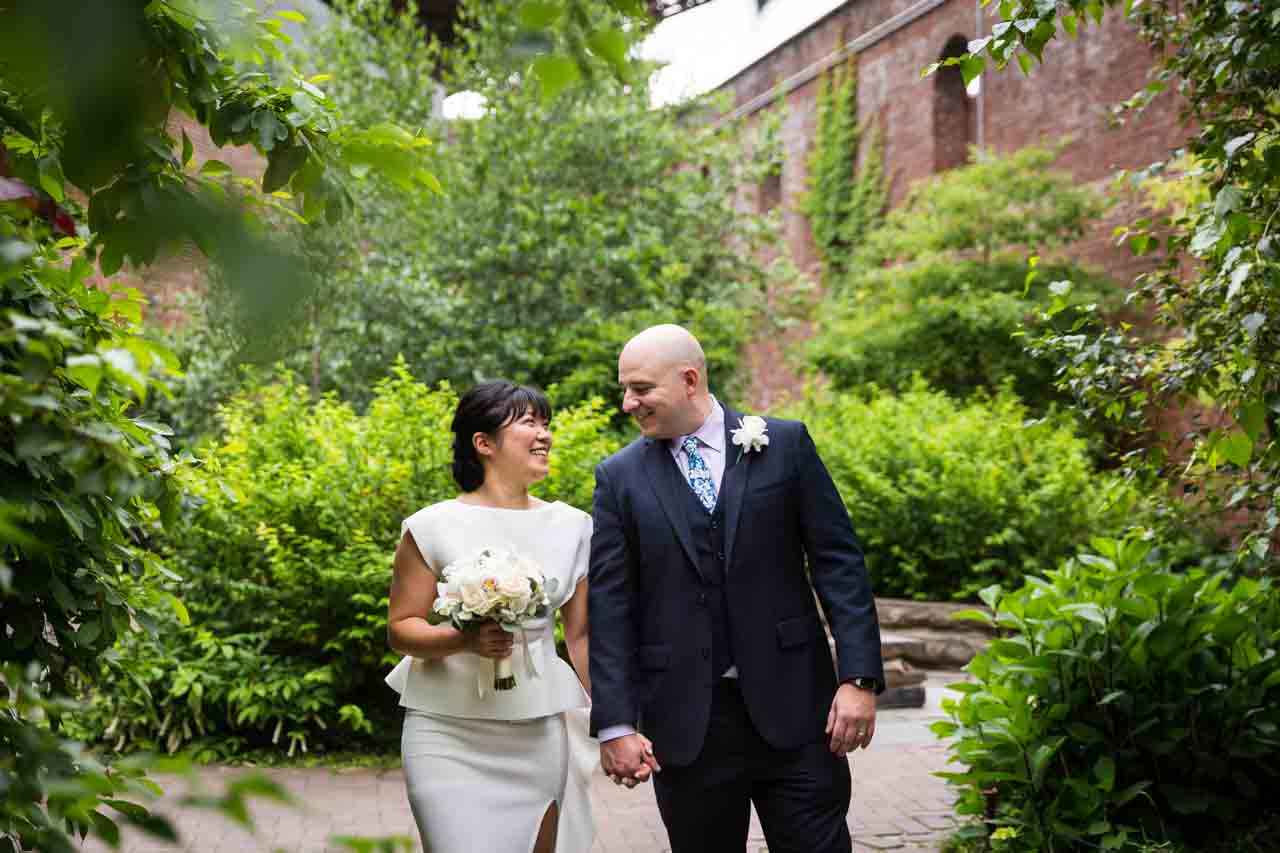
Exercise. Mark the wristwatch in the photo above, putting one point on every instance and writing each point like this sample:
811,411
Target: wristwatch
862,682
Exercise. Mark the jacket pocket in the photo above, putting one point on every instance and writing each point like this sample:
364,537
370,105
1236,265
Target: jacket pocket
798,631
655,657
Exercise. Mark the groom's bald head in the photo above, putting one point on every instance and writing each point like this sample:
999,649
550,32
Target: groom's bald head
667,345
663,373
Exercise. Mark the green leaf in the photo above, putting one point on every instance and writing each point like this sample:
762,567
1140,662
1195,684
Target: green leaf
292,15
974,616
991,595
281,166
215,167
270,130
1104,770
971,66
1207,236
105,828
86,371
1010,649
179,609
1229,199
51,179
1127,794
1236,448
1042,754
555,73
1089,611
59,590
611,46
538,14
431,182
1230,627
1084,733
187,149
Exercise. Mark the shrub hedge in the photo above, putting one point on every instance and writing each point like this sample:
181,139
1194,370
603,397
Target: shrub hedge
950,496
1126,706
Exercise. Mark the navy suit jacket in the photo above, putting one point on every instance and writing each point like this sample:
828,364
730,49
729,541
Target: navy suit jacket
787,534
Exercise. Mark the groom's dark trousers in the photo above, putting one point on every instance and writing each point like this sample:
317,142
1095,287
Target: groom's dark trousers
680,595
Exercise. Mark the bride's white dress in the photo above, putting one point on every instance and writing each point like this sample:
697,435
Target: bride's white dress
482,766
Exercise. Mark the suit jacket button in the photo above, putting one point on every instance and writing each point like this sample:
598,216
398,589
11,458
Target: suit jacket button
706,654
702,598
720,556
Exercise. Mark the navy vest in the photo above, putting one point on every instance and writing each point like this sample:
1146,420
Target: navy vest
707,532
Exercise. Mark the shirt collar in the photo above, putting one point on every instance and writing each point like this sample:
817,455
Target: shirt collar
711,433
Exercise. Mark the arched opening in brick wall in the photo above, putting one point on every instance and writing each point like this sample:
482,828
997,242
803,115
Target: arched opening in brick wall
952,111
770,193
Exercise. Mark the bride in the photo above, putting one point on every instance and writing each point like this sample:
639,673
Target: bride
495,770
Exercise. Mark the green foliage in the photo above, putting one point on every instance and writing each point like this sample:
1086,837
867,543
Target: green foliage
1124,706
954,323
90,175
846,198
1223,61
84,483
994,202
85,96
563,223
949,497
956,303
286,557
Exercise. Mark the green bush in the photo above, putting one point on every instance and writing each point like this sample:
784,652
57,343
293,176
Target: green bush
1126,705
948,496
285,556
954,322
943,287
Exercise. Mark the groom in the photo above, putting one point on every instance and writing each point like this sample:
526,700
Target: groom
705,638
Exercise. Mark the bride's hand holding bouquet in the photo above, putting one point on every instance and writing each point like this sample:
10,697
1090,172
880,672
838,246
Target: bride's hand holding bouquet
488,597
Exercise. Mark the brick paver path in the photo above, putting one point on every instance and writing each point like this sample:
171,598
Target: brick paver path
897,803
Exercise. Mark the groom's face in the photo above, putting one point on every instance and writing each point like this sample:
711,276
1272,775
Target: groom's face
657,397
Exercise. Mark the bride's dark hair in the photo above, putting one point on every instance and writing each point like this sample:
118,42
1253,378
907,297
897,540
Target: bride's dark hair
487,408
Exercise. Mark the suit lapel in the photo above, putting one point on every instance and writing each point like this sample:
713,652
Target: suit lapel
734,483
665,478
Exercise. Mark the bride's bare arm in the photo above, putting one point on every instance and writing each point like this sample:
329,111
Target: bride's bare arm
413,591
574,614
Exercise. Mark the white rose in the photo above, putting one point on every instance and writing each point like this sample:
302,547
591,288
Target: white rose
473,594
751,434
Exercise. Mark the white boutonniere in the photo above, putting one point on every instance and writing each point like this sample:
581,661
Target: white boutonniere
752,434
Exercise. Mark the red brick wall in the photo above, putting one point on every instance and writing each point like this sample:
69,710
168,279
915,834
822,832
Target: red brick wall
1068,97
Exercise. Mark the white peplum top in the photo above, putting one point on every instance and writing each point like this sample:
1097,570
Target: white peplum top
461,685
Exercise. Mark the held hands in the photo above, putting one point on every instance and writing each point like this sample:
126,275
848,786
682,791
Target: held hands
629,760
851,722
489,641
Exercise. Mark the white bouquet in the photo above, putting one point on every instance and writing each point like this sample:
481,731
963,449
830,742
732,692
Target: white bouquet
494,585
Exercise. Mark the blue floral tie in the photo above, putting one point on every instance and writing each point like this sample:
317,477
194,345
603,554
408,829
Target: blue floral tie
699,475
